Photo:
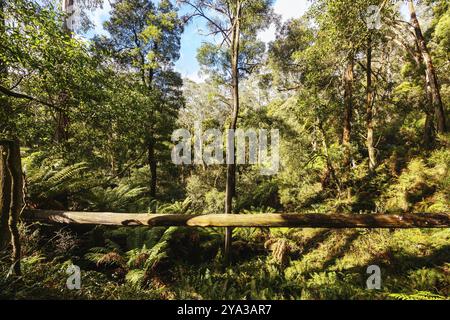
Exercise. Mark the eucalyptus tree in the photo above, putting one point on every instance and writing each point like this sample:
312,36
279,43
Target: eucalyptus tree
341,23
34,48
145,42
355,27
39,61
333,36
4,101
237,53
24,29
74,17
431,75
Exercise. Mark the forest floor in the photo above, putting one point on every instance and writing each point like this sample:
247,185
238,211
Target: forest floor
182,263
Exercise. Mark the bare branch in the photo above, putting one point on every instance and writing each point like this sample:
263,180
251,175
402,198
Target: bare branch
198,11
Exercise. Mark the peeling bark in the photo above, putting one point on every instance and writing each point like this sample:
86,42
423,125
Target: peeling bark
439,112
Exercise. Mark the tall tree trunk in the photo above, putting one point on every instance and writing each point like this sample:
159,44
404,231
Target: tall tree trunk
15,169
431,73
428,135
330,172
369,108
62,119
5,195
230,191
62,124
348,109
153,166
152,163
11,189
5,178
6,122
11,198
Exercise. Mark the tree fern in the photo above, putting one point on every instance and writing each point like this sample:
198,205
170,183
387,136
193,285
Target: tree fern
120,198
65,174
49,178
178,207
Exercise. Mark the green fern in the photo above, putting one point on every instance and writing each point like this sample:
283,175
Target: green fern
65,174
179,207
157,250
120,198
418,295
142,236
135,277
49,178
137,257
107,256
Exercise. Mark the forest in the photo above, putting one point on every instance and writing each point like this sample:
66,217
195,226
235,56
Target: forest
352,97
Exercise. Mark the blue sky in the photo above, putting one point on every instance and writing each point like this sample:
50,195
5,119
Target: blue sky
193,36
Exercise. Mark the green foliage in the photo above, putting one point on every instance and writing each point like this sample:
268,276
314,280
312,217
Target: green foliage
422,186
178,207
48,179
215,58
117,199
174,263
420,295
118,98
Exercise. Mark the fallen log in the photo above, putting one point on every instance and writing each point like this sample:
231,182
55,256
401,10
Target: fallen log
307,220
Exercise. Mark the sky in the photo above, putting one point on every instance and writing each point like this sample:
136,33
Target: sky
193,35
192,38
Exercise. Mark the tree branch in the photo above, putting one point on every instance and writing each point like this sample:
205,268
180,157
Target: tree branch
19,95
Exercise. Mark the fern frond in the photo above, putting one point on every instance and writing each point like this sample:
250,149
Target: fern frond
135,277
419,295
67,173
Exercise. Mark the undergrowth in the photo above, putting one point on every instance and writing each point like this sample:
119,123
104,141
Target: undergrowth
181,263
